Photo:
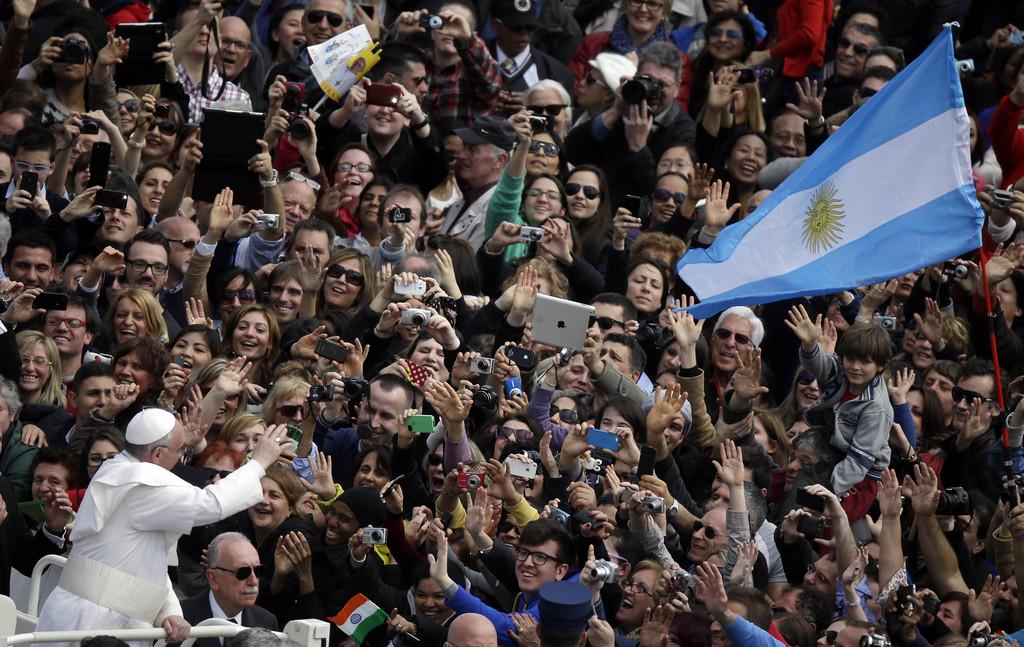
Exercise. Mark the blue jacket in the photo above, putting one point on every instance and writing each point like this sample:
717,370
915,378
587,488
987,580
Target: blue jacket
342,445
743,632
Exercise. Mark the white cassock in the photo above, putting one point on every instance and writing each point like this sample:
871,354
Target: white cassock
132,516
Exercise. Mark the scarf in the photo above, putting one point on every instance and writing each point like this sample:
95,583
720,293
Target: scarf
622,43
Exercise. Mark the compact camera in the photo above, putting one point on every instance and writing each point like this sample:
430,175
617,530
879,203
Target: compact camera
415,316
375,535
965,66
955,270
873,640
531,234
484,397
653,505
482,365
470,480
885,322
268,221
321,393
431,22
604,571
73,51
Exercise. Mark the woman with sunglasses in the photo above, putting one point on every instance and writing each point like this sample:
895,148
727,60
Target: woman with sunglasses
349,283
730,39
586,190
128,105
803,392
557,411
667,197
544,156
640,24
252,332
162,134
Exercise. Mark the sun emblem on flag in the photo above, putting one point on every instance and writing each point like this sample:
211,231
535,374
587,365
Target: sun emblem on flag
823,221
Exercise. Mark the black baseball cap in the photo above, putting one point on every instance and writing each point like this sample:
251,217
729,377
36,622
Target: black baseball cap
489,130
515,14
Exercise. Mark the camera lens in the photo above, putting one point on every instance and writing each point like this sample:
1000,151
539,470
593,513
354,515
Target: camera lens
299,129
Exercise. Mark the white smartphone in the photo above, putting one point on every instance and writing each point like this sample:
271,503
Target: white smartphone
521,468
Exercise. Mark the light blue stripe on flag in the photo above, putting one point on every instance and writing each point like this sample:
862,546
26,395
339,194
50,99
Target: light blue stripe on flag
887,194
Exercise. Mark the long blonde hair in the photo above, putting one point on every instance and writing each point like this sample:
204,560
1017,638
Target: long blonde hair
51,394
152,313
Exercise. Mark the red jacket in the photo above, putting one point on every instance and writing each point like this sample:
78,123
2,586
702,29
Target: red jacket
1008,140
597,42
802,27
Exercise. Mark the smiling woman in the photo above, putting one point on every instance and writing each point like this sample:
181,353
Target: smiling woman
40,370
134,313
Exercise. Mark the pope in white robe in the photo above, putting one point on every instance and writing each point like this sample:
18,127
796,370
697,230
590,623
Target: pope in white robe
132,515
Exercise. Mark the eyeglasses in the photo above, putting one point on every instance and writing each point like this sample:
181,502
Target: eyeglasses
565,415
960,394
866,92
818,575
804,377
606,323
539,558
187,243
725,333
709,532
635,586
520,435
731,34
242,573
231,43
38,362
166,128
663,195
95,460
316,17
589,192
361,167
548,149
352,277
141,266
554,196
550,111
70,322
858,49
674,165
181,450
244,296
130,105
25,166
291,410
650,4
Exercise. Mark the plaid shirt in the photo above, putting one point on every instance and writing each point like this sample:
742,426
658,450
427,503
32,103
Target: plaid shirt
233,94
467,89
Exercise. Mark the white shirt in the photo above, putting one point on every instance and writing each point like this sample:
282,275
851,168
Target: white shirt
530,77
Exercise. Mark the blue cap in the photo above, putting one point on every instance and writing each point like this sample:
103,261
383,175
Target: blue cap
565,606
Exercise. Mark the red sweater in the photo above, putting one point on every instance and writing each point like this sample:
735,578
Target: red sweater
802,27
1008,140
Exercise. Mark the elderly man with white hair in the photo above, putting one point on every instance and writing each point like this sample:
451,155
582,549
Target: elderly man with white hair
133,513
737,330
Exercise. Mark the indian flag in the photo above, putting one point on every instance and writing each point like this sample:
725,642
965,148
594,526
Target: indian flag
359,617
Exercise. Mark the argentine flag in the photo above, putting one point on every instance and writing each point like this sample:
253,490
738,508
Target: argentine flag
889,193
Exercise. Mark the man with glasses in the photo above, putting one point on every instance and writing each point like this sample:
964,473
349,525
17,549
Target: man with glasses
133,509
34,151
243,61
72,330
405,64
856,40
321,21
233,575
737,329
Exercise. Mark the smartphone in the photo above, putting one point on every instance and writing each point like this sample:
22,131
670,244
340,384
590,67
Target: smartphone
415,289
810,501
294,433
420,424
32,509
603,439
519,467
29,182
638,207
383,94
99,164
647,459
51,301
112,199
524,358
331,350
399,215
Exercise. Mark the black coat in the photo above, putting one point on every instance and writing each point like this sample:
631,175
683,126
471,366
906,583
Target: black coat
197,609
548,67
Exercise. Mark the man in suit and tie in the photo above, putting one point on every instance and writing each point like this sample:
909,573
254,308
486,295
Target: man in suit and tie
233,575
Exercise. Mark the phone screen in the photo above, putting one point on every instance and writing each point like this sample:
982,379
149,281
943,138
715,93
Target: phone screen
99,164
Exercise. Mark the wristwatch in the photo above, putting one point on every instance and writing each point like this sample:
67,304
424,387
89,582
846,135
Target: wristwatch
673,510
271,183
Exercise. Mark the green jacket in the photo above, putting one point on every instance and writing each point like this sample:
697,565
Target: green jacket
504,207
15,461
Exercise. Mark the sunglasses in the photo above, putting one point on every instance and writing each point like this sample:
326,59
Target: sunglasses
858,49
589,192
567,416
663,195
291,410
804,377
548,149
333,19
245,295
718,32
520,435
131,105
960,394
709,532
244,572
867,92
723,334
606,323
352,277
550,111
166,127
187,243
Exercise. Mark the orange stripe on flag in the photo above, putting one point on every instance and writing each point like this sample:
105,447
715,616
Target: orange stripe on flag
357,601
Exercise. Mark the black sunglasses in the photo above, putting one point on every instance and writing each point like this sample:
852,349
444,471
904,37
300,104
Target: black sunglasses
131,105
959,394
244,572
709,532
549,150
333,19
166,127
606,323
289,410
567,416
867,92
244,295
858,49
662,195
804,377
352,277
590,192
740,338
550,111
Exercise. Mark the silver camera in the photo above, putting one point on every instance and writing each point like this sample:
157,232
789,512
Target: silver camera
653,505
531,234
482,365
884,322
375,535
415,316
965,66
680,580
268,221
604,571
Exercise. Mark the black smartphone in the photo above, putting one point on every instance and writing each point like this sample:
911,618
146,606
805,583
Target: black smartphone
647,459
811,527
524,358
112,199
637,206
368,9
29,182
810,501
99,164
332,351
51,301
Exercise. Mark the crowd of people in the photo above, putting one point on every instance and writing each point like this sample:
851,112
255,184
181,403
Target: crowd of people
260,406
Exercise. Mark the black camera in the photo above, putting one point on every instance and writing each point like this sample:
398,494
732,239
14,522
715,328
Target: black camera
873,640
954,501
931,605
321,393
356,388
484,397
652,334
431,22
642,87
400,214
73,51
812,527
981,640
955,270
540,124
298,127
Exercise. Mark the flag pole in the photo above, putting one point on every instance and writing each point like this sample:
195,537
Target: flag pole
990,316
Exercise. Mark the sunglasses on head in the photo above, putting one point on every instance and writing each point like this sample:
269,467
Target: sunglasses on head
723,334
960,394
662,195
352,277
550,111
709,532
589,192
243,573
858,49
606,323
333,19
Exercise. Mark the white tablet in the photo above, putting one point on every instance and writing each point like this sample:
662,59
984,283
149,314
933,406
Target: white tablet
561,323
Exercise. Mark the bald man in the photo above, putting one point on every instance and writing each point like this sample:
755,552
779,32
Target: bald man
244,61
472,630
183,236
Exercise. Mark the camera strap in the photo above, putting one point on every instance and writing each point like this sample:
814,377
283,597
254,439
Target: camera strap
205,87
